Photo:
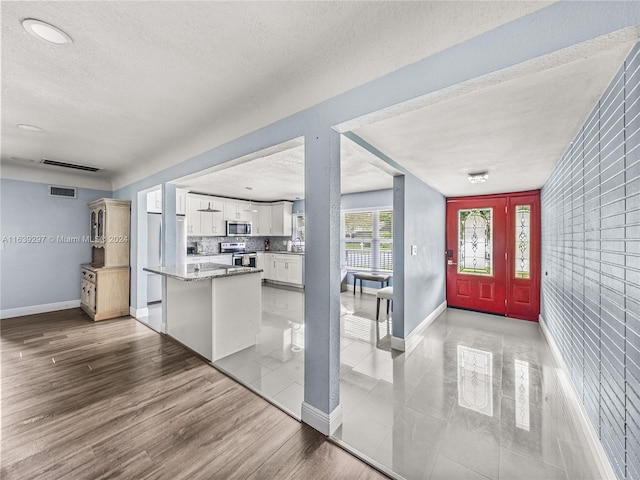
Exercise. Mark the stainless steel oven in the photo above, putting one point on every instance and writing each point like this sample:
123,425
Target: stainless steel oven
240,256
245,259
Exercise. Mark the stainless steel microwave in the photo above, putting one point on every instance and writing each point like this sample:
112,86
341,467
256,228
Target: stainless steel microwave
238,229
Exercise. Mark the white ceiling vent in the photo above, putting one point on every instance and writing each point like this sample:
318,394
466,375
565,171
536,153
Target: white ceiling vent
75,166
66,192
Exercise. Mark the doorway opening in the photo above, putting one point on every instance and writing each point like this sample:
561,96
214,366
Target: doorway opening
493,254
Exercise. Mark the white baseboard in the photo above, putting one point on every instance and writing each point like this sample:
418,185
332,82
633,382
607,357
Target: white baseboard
138,312
323,422
409,343
578,411
44,308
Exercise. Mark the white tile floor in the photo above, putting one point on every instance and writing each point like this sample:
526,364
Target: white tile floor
478,397
275,365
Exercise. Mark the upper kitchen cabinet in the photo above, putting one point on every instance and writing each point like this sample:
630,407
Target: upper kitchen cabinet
237,210
262,224
181,201
281,217
212,223
154,201
193,215
202,223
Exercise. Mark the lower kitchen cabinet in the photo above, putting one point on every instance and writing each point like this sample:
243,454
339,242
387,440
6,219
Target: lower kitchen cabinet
105,292
284,268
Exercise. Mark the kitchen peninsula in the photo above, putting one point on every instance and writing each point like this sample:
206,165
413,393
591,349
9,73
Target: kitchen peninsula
213,309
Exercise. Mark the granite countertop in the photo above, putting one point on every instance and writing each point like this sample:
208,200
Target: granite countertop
206,254
208,271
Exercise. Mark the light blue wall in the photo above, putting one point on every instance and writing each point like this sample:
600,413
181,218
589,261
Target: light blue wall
372,199
48,272
419,286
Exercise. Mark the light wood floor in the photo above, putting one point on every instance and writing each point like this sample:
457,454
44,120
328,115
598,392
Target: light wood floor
114,399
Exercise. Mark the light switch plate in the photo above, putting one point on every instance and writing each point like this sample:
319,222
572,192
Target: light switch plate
414,249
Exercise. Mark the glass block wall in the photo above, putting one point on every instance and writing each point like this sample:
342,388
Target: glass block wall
591,265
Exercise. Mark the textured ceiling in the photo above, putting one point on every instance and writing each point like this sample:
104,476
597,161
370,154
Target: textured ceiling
517,130
280,175
146,85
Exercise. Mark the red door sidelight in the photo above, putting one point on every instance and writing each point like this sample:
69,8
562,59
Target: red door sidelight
493,254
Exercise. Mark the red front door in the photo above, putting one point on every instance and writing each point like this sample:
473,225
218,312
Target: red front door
493,254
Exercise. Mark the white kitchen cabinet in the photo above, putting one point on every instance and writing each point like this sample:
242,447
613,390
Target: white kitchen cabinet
154,201
193,215
225,259
181,201
284,268
212,223
261,263
263,226
204,223
293,267
281,218
237,210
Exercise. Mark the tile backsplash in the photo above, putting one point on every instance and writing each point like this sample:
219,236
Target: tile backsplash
211,245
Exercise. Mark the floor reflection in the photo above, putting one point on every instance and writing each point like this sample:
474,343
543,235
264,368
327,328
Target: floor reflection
475,377
522,393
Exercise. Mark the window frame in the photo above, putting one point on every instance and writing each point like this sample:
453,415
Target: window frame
375,238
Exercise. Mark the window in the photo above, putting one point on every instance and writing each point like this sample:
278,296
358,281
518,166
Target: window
298,229
367,242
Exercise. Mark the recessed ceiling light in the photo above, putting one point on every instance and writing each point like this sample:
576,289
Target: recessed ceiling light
31,128
479,177
45,31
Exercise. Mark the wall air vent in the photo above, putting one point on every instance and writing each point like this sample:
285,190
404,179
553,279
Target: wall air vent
66,192
55,163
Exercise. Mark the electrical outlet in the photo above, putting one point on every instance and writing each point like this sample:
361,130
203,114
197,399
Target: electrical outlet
414,249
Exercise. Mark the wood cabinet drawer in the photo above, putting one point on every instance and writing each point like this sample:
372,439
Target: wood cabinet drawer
88,275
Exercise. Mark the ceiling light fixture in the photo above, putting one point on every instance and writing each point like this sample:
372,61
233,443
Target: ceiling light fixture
30,128
45,31
479,177
209,209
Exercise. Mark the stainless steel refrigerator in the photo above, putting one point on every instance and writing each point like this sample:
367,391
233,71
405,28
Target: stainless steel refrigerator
154,251
154,256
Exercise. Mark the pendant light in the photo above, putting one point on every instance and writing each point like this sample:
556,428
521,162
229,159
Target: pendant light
251,209
209,209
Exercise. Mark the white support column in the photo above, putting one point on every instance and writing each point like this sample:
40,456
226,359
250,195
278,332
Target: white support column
321,407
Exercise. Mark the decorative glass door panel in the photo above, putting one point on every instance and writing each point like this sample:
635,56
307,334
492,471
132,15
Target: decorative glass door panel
523,272
493,254
474,231
475,271
522,254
